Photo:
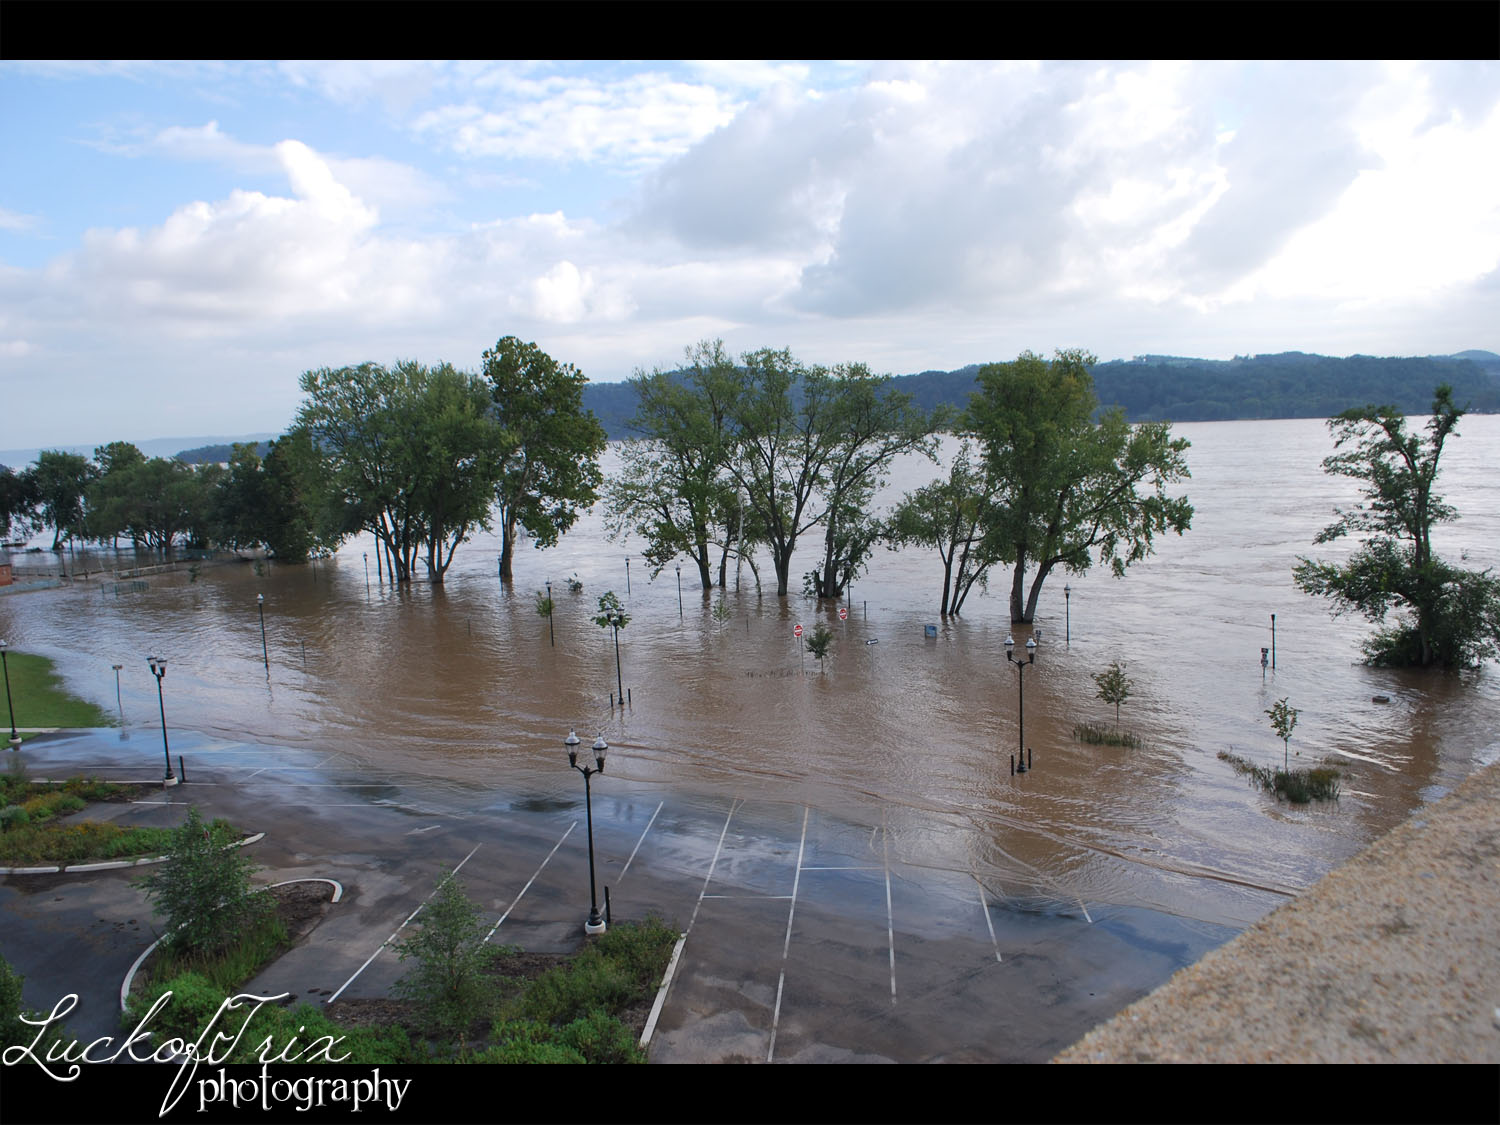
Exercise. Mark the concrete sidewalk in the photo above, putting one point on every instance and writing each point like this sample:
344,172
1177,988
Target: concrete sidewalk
1393,956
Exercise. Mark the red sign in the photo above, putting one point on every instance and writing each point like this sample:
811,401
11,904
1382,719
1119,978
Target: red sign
796,630
843,613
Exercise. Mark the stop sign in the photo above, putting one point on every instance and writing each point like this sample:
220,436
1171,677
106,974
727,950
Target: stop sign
796,630
843,613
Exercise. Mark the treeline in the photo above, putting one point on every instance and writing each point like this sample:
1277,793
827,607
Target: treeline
1171,388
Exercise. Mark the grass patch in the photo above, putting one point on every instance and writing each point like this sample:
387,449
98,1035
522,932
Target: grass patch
1297,786
40,700
1105,736
258,946
32,834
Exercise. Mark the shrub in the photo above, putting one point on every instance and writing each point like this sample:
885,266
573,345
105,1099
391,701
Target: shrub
204,890
601,1038
451,955
1102,736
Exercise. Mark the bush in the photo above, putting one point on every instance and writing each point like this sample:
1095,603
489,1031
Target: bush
204,889
527,1042
1102,736
451,955
1297,786
601,1038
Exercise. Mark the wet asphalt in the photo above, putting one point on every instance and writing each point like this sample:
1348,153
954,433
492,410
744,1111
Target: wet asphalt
805,939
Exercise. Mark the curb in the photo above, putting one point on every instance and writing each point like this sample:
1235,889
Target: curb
661,993
338,893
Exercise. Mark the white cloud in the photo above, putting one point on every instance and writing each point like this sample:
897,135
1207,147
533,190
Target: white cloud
14,220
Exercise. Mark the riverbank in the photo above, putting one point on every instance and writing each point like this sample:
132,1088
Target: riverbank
1392,957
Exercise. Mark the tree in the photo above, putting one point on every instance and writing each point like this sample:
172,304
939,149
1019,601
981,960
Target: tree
1448,616
549,459
60,481
872,424
410,453
152,500
611,612
1067,486
204,890
18,502
818,641
1114,687
451,954
672,488
1284,721
955,516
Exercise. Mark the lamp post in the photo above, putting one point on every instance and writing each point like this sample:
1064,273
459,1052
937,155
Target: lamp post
15,738
615,621
1068,614
1010,645
120,703
551,609
679,593
627,576
159,670
367,573
596,923
265,655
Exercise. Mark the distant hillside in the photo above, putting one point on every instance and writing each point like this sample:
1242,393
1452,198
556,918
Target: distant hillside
1183,389
221,452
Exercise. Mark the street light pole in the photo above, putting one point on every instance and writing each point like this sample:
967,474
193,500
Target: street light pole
367,574
1010,645
551,609
159,670
118,701
627,576
679,593
265,655
596,923
15,738
614,621
1068,614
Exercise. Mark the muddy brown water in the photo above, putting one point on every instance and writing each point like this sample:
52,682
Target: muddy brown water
460,684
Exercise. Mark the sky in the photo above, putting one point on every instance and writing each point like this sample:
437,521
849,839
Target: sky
180,240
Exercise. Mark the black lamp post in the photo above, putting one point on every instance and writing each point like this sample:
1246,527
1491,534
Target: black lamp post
615,621
679,592
551,609
596,923
1068,614
1010,645
15,738
627,576
120,703
265,655
367,573
159,670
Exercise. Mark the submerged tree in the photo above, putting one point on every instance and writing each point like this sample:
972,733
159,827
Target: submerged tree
1114,687
1449,616
955,516
1068,485
549,461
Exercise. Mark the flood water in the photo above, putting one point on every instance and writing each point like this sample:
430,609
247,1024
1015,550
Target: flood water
460,684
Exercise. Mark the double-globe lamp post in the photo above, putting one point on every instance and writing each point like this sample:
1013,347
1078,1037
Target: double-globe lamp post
159,670
1010,645
596,923
15,738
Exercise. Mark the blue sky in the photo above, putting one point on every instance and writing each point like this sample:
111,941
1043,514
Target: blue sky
180,240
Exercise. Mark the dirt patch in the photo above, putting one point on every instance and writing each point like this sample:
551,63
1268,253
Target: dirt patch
511,970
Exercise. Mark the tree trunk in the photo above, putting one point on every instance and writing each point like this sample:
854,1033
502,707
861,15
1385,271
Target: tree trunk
507,545
1018,615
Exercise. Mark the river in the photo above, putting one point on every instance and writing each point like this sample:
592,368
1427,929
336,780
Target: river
460,684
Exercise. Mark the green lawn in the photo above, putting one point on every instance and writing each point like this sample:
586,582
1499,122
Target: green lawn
40,699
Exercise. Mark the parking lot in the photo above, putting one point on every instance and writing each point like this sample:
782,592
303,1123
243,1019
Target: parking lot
806,938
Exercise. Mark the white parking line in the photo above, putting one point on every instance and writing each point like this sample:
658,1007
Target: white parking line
733,805
396,931
527,887
641,841
985,909
890,922
787,944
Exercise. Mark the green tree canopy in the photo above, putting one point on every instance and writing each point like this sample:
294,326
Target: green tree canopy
410,454
60,481
673,487
549,457
1069,486
1449,616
